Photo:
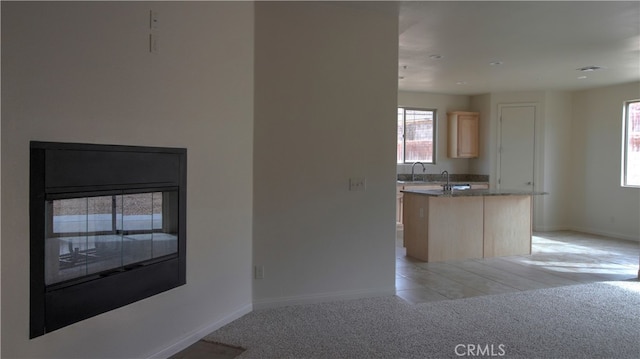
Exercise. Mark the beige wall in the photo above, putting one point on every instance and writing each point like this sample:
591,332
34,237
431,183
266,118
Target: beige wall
599,203
482,164
508,98
489,130
82,72
578,150
442,104
326,85
557,178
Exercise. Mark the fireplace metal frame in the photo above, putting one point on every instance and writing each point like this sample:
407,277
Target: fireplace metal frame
70,170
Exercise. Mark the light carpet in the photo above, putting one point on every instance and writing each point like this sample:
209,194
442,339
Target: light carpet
597,320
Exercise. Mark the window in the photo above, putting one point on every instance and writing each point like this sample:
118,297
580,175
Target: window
416,128
631,155
89,235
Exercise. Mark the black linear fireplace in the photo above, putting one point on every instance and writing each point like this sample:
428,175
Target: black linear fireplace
108,228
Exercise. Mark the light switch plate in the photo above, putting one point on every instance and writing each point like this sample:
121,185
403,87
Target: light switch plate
258,272
154,20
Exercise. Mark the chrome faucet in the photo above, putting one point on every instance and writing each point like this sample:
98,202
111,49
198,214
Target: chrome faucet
446,187
413,175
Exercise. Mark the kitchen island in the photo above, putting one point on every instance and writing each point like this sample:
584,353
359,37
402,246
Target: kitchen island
483,223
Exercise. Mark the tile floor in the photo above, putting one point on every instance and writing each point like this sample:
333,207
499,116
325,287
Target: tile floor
557,259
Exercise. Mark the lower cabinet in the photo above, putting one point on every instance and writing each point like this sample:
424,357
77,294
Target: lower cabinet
403,187
443,228
463,227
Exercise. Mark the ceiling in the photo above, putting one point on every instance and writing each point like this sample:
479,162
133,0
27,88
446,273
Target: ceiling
517,45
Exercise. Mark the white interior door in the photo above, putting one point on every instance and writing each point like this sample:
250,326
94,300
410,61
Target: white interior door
516,151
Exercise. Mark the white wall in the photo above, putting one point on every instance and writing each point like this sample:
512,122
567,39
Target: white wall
482,164
552,137
578,150
82,72
557,176
326,87
599,204
442,104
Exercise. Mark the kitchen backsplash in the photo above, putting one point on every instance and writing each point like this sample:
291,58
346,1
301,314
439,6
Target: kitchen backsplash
433,177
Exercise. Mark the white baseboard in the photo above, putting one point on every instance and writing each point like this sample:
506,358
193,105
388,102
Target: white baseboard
598,232
190,338
322,298
551,228
606,233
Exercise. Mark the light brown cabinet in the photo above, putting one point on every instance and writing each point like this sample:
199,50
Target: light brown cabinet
442,228
463,134
402,187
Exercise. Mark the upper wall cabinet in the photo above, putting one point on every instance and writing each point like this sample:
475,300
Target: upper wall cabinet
463,134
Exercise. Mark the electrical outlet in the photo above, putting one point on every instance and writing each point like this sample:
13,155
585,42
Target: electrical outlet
357,184
153,43
258,272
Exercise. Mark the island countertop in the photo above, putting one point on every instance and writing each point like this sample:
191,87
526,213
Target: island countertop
474,193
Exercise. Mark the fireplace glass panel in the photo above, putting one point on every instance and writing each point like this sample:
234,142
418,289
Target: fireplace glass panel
91,235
